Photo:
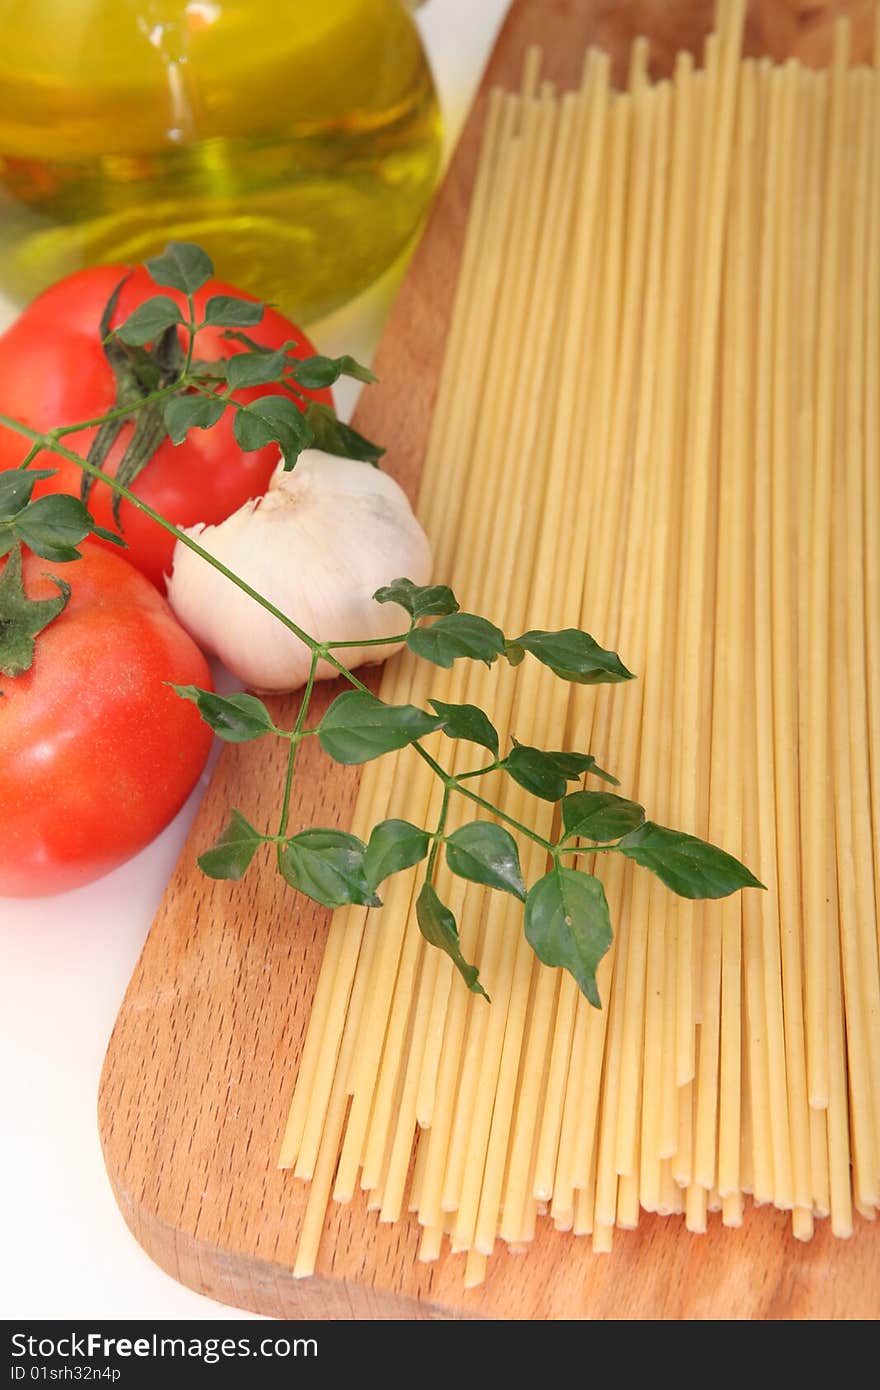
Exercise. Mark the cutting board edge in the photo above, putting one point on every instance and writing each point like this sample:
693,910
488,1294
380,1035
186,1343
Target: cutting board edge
798,1292
260,1286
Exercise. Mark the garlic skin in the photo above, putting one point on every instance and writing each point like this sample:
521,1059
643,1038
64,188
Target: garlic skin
318,545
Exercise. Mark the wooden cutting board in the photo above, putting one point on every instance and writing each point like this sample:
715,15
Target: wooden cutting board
202,1061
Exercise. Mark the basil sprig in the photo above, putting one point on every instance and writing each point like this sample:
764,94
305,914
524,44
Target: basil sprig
167,389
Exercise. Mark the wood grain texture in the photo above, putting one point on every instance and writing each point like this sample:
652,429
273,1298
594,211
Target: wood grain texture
201,1065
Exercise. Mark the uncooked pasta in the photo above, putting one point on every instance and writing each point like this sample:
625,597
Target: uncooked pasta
663,374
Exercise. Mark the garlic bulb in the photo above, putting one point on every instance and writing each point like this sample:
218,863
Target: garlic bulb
319,544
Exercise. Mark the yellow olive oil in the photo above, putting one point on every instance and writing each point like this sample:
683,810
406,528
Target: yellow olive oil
298,141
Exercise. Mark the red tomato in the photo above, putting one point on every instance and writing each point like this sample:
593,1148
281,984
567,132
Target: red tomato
53,372
96,753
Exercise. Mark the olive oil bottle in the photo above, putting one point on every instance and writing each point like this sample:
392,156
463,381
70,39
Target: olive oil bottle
298,141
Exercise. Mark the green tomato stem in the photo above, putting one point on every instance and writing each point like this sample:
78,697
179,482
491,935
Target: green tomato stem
49,442
29,456
193,329
366,642
585,849
481,771
438,833
296,735
502,815
307,695
453,783
285,804
117,413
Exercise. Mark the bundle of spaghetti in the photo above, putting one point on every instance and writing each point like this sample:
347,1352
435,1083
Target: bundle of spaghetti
693,476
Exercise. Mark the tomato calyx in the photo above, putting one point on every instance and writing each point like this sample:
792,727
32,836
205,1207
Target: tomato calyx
52,527
22,619
145,377
189,385
138,372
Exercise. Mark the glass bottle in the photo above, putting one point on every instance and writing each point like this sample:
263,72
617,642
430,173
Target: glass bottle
298,141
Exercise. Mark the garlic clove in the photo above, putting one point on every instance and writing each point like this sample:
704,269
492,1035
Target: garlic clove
322,540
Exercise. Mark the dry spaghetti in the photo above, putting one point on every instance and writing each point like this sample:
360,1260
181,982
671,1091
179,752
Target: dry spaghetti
695,267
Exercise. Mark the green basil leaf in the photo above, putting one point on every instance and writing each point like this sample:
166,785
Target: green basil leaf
536,771
149,321
23,618
251,343
184,413
182,266
457,635
599,816
574,765
233,851
16,487
467,722
316,373
437,925
272,419
54,526
234,718
486,853
691,867
255,368
573,656
394,845
515,655
358,726
418,600
331,435
227,311
545,774
568,924
209,370
328,866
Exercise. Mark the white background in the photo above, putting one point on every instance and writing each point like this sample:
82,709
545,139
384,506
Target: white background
65,961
